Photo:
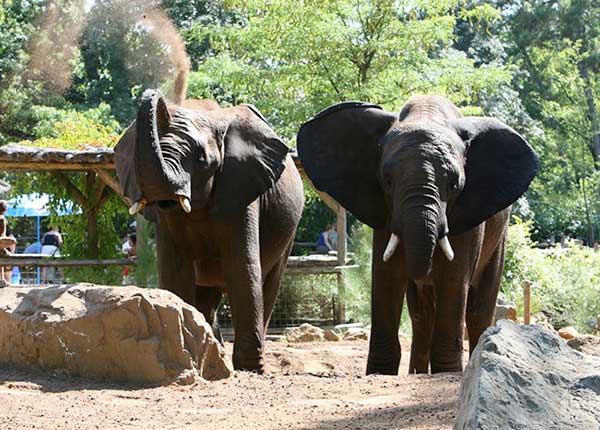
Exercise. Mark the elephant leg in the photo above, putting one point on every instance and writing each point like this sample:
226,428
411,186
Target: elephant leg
175,270
208,300
387,295
272,284
481,302
421,307
244,285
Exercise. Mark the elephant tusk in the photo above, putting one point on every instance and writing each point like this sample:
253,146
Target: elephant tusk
391,247
185,204
137,206
445,245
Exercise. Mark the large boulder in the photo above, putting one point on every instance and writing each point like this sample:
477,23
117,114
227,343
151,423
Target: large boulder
526,377
115,333
305,333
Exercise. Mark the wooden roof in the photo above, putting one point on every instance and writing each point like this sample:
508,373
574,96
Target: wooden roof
15,157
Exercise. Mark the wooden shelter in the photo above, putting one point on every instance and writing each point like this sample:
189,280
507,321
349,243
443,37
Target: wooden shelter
98,166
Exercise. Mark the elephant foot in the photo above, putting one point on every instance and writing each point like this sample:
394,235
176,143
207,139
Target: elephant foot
249,362
257,368
446,367
382,367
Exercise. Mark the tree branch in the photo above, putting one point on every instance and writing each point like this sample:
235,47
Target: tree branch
77,195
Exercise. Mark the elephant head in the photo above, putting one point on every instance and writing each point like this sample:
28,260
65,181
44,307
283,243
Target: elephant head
205,158
424,174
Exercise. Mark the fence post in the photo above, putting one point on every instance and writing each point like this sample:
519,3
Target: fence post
527,302
341,260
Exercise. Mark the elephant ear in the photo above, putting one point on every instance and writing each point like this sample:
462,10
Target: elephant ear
254,159
125,166
500,165
340,153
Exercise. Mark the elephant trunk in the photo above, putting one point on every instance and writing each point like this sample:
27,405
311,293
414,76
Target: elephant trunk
421,223
419,234
159,171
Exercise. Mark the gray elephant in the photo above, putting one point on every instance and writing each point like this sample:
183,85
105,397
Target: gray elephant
436,187
226,198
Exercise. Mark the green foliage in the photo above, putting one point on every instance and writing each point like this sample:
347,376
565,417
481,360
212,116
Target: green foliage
375,51
358,281
565,282
72,129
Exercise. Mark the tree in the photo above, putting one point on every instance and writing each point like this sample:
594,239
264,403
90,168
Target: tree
292,60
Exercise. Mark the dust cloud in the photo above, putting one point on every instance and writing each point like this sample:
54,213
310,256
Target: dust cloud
55,48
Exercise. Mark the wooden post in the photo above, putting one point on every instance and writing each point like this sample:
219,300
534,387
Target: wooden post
527,303
341,256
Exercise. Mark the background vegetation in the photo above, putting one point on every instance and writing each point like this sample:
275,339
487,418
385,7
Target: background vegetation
71,73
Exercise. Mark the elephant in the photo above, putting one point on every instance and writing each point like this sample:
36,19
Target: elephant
225,197
437,189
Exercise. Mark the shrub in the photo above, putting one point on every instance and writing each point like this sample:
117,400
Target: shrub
565,282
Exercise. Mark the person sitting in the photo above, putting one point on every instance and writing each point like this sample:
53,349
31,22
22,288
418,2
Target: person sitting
323,243
7,246
51,242
34,248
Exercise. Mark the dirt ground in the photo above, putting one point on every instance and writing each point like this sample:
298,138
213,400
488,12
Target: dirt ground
308,386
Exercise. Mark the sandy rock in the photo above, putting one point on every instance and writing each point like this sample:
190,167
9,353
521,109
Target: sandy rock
356,334
505,311
305,333
331,336
526,377
568,333
115,333
542,320
586,343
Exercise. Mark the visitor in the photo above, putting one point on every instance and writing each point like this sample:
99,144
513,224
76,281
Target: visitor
323,244
333,238
131,254
10,243
52,238
34,248
125,244
51,242
132,241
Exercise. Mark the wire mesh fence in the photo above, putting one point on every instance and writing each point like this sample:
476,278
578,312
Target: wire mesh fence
302,298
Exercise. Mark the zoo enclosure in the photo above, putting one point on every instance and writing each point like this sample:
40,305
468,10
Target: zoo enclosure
99,166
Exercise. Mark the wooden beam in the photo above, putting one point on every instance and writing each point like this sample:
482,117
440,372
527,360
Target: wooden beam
19,157
341,257
113,184
45,261
73,190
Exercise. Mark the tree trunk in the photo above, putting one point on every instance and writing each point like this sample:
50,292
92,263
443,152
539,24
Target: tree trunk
592,114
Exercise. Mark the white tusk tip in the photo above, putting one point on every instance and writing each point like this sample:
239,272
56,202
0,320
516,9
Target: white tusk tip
446,248
185,204
136,207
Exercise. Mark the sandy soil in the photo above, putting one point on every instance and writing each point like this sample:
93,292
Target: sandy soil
309,386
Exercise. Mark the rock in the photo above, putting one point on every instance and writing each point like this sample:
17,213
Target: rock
331,336
505,311
542,320
117,333
568,333
526,377
305,333
356,334
587,344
